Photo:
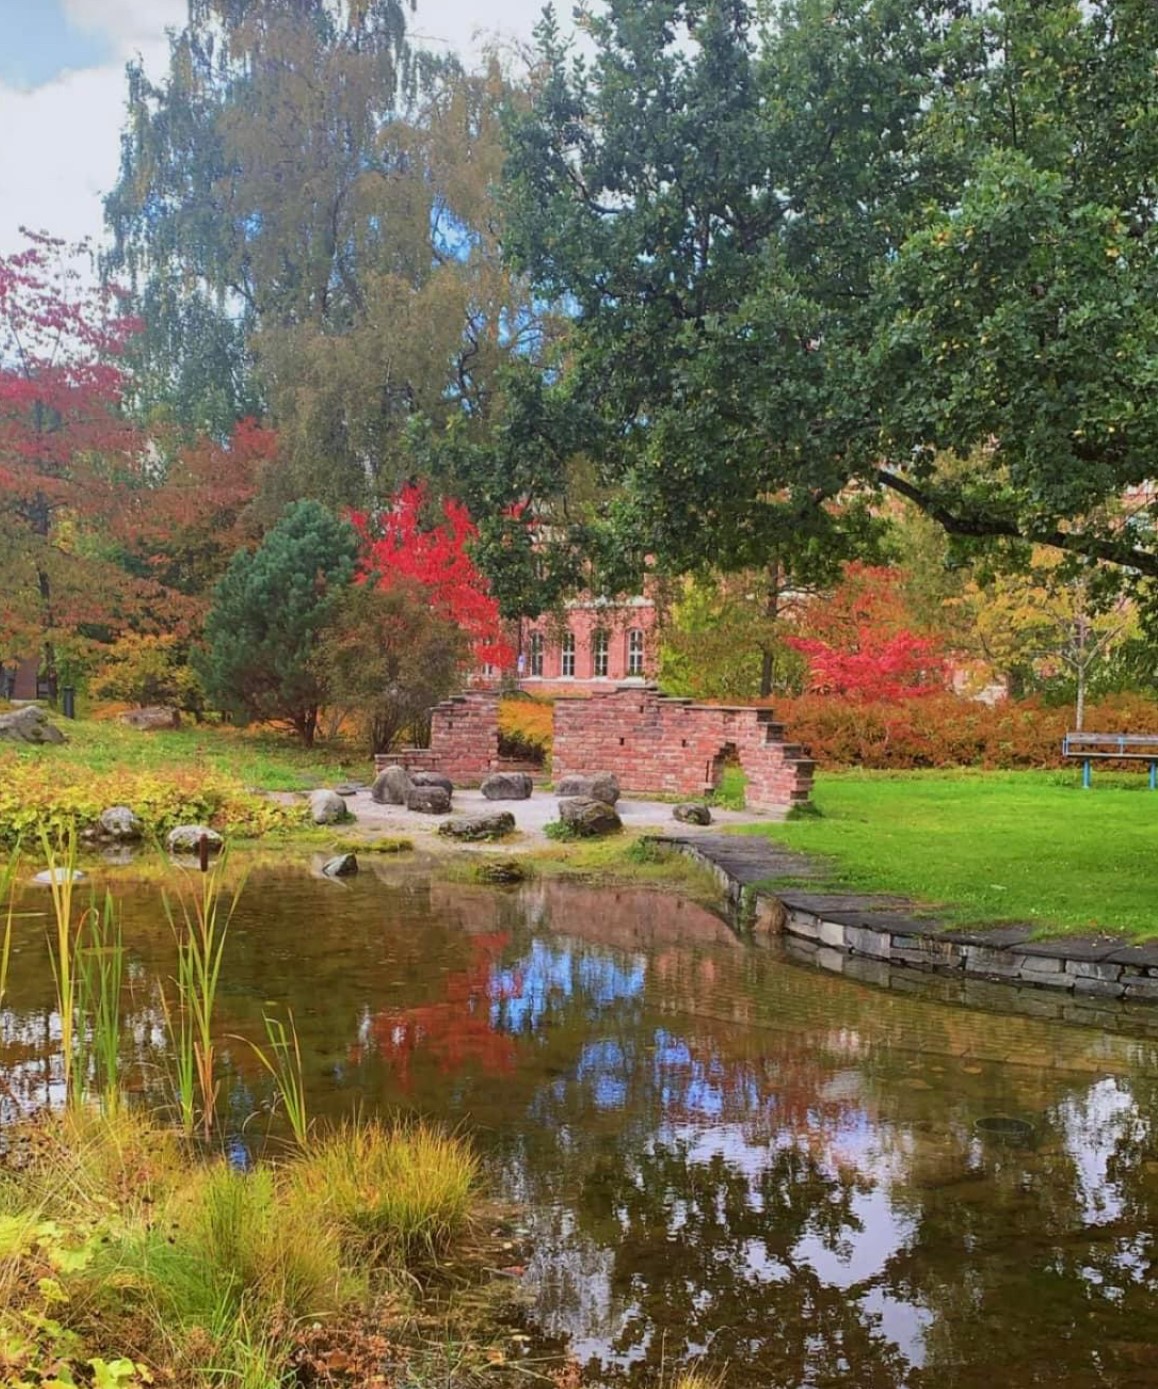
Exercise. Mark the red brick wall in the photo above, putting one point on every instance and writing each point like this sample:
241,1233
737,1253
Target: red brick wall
650,742
673,746
464,740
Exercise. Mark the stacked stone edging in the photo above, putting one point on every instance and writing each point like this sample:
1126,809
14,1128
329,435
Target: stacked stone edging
834,929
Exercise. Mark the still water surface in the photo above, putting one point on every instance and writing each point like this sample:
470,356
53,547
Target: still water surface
721,1155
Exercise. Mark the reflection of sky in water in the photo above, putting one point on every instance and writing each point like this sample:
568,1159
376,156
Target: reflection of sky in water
523,993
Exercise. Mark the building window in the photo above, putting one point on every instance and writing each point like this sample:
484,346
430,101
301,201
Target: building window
600,646
635,652
567,666
536,653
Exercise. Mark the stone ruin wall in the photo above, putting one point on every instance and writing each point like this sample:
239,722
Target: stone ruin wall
674,747
651,743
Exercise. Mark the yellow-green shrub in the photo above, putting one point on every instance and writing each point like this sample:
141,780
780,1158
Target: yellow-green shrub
526,728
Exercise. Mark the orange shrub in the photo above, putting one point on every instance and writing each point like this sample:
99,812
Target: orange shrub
526,728
946,731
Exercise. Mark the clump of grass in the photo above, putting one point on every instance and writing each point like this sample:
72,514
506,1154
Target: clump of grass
8,893
283,1060
100,969
696,1379
404,1192
60,861
386,844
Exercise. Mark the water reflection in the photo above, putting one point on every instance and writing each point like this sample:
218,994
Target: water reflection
722,1155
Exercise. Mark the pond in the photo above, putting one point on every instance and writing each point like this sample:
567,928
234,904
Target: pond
720,1155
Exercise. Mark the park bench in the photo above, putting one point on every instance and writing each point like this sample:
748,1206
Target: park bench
1129,747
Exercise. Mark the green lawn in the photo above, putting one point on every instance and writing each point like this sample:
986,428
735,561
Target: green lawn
262,759
994,846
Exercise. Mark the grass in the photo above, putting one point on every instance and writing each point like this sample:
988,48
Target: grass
993,846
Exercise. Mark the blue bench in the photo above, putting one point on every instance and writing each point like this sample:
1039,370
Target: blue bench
1129,747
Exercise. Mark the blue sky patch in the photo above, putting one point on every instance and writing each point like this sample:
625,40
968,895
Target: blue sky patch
37,42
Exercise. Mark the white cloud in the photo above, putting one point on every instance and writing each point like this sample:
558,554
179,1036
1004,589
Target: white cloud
61,145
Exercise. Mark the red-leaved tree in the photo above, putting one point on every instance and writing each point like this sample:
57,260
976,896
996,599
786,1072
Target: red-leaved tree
396,547
859,644
64,446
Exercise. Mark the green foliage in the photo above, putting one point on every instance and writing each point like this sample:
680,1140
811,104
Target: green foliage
387,657
561,831
730,792
269,613
148,670
882,250
282,1058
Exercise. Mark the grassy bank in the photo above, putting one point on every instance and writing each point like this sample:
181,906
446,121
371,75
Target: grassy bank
993,846
126,1259
197,773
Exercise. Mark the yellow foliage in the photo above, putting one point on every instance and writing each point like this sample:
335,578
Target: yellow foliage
529,723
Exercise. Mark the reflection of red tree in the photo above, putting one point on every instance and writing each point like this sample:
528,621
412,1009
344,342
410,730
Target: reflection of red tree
455,1032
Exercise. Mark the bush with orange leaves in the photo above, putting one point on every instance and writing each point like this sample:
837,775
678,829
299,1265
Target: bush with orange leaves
526,729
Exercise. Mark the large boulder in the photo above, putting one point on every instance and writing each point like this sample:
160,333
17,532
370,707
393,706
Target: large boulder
586,816
121,824
476,827
327,807
29,725
692,813
428,800
391,786
507,786
433,779
341,866
186,839
595,786
150,719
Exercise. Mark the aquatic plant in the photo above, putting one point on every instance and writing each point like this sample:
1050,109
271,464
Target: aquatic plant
283,1061
8,893
60,861
200,922
99,971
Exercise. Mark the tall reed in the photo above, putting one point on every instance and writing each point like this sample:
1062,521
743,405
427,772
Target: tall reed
283,1060
8,892
60,860
200,922
100,970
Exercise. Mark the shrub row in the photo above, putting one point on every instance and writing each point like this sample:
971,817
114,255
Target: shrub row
946,731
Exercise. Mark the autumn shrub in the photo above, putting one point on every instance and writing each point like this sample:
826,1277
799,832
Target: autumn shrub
53,796
947,731
146,670
526,729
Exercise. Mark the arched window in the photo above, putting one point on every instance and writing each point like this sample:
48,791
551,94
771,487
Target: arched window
567,664
600,647
635,652
536,653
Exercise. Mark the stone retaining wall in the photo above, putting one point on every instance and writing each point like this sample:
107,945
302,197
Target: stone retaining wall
674,747
464,740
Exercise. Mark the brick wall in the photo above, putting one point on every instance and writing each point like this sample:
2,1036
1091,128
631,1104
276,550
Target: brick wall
464,740
673,746
650,742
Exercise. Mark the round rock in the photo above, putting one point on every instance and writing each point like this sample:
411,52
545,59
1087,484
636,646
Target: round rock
589,817
121,824
391,786
476,827
594,786
432,779
29,725
341,866
507,786
692,813
327,807
428,800
186,839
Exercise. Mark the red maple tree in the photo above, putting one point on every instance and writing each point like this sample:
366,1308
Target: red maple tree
64,444
859,642
397,547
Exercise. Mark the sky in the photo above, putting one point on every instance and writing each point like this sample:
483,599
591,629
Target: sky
62,93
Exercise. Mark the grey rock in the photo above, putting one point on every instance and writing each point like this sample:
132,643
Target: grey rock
391,786
350,788
119,822
186,839
594,786
327,807
48,876
692,813
341,866
150,719
477,827
587,816
507,786
433,779
428,800
29,725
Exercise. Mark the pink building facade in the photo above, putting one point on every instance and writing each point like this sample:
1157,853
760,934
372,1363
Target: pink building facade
595,647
